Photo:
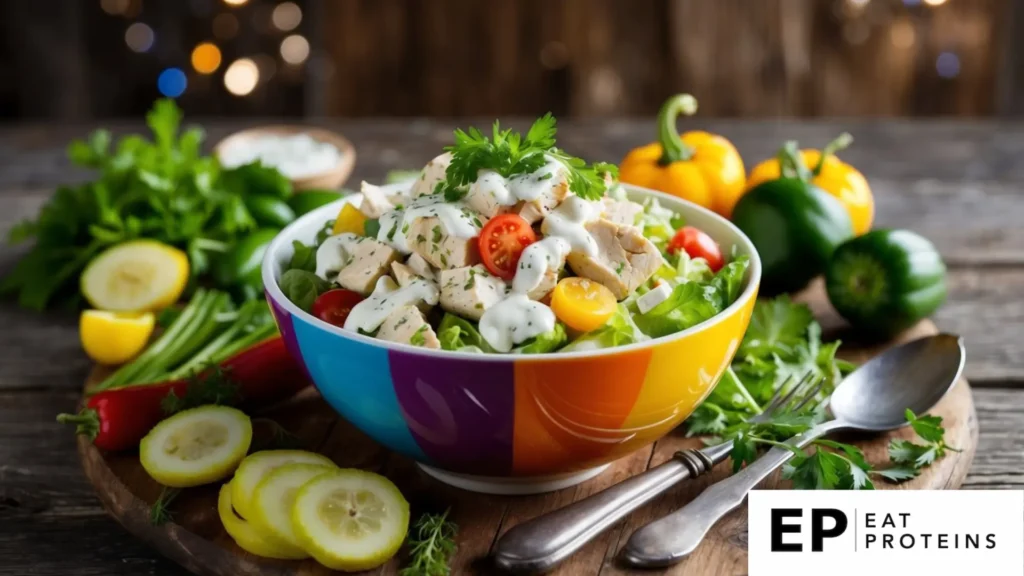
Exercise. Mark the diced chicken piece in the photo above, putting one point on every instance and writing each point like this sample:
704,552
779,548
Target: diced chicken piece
555,188
369,261
489,194
621,212
375,200
624,261
403,274
408,326
539,265
428,238
421,267
470,290
431,174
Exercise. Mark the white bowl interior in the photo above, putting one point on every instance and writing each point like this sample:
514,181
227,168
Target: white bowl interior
305,230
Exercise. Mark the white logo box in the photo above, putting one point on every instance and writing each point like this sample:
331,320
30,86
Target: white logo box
931,532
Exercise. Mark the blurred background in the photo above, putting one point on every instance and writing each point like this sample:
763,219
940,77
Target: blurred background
84,59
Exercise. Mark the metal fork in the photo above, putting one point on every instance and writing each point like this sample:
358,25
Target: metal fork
541,543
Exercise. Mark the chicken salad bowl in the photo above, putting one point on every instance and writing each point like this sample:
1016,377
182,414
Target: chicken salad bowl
516,323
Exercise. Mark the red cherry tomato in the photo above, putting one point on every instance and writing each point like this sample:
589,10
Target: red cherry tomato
502,242
333,306
698,245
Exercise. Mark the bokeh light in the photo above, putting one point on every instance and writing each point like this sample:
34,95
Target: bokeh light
114,7
241,77
935,2
206,58
235,2
267,66
139,37
294,49
902,34
225,26
172,82
286,16
948,65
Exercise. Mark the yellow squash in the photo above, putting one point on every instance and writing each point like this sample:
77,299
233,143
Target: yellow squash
698,166
831,175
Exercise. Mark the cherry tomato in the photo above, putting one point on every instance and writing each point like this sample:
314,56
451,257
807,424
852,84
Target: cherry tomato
502,242
698,245
333,306
583,304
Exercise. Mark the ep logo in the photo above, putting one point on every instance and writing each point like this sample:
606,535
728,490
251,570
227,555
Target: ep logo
822,523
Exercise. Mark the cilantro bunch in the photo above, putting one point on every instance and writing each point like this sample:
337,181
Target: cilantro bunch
782,344
508,153
161,188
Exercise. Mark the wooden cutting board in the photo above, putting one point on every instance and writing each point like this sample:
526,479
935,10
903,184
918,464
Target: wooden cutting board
196,540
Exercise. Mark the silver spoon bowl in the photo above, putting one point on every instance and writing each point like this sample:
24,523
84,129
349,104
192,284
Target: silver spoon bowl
874,398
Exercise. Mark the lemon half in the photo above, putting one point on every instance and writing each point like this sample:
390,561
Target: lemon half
135,276
350,519
114,337
196,446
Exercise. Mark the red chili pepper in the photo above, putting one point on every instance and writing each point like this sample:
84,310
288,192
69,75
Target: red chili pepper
117,419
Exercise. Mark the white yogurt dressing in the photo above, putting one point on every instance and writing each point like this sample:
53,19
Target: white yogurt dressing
569,221
515,320
295,156
369,314
456,219
536,260
333,254
527,187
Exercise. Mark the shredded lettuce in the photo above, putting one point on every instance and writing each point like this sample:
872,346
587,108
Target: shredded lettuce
618,331
546,342
658,223
458,334
729,280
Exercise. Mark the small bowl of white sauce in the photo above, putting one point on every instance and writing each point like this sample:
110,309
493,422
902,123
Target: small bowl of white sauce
309,157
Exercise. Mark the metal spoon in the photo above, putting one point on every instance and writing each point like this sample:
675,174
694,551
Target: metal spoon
874,398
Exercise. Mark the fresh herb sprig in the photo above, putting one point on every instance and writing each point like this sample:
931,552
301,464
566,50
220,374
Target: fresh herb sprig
508,153
160,511
431,546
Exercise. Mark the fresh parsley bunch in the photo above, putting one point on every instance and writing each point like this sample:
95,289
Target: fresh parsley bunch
161,188
782,344
508,153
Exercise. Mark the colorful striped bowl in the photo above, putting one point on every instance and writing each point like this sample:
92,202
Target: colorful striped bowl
507,423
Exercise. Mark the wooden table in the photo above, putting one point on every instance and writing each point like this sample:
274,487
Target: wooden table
958,183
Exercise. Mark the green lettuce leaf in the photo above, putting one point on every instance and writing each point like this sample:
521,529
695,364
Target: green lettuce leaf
546,342
456,333
618,331
729,280
302,287
689,305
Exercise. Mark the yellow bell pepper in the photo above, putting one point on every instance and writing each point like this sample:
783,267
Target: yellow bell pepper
700,167
831,175
350,219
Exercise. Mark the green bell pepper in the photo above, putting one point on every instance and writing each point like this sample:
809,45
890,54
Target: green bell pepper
309,200
240,267
269,210
885,281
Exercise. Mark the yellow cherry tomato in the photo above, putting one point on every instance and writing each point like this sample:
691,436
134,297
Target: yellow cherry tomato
350,219
114,337
583,304
836,177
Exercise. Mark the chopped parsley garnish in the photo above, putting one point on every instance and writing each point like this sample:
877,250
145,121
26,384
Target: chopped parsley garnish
508,153
437,233
471,281
444,260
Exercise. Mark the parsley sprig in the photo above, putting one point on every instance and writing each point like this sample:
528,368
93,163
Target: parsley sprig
782,343
508,153
431,546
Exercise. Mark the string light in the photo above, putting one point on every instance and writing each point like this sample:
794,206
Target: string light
172,82
139,37
294,49
286,16
948,65
225,26
114,7
241,77
206,58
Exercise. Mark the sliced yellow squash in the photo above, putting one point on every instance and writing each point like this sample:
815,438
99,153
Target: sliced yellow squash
256,466
135,276
350,519
196,446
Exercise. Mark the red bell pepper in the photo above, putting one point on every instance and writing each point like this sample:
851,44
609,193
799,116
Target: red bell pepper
117,419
